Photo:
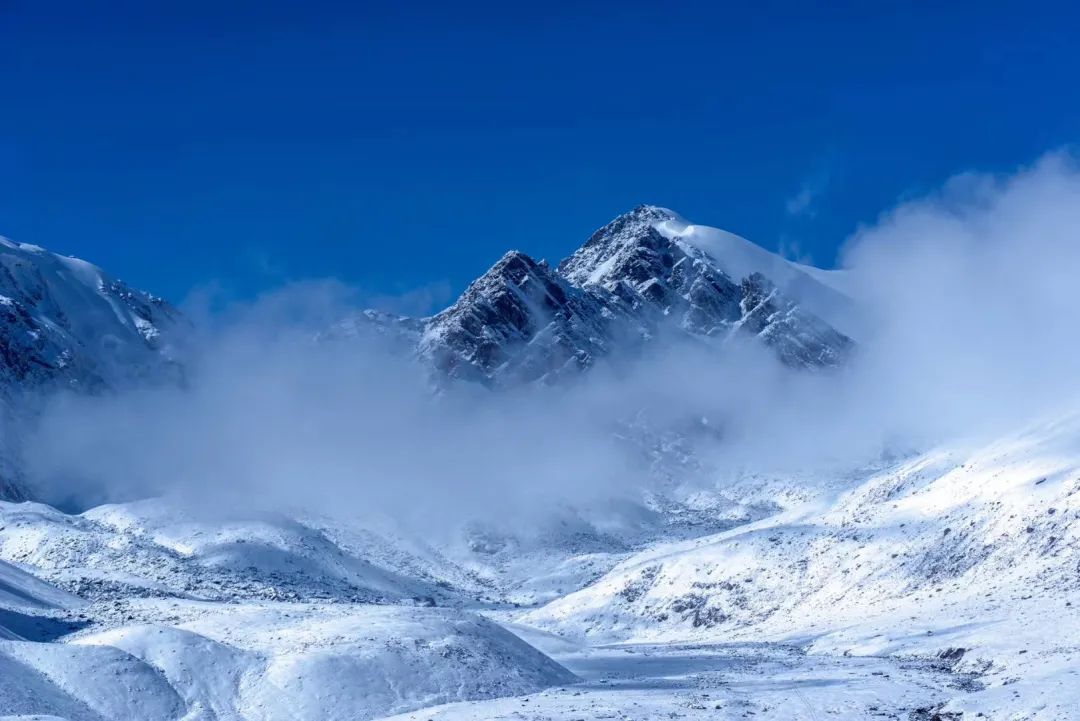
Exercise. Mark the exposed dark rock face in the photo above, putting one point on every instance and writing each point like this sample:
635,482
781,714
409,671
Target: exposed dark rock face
520,321
629,284
799,338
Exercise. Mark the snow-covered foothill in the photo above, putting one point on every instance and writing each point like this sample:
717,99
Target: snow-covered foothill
276,661
967,554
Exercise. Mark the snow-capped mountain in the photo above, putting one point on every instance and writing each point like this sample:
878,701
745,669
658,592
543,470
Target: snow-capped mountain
65,324
940,585
645,275
64,321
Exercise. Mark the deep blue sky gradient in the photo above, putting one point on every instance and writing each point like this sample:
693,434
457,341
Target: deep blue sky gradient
399,146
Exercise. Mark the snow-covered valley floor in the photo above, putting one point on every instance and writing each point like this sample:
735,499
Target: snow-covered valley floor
292,661
640,682
944,585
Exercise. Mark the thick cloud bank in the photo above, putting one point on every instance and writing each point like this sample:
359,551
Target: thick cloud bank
971,295
971,321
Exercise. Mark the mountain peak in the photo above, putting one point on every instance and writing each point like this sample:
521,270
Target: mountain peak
634,279
651,213
501,311
513,259
629,247
513,270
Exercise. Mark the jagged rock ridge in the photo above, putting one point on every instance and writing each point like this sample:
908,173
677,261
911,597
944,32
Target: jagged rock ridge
639,277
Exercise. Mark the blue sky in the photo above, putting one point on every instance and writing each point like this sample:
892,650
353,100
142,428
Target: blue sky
403,148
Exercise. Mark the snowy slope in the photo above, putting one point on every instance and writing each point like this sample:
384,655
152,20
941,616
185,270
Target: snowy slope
64,321
141,649
269,662
302,661
82,684
27,606
967,554
610,257
156,548
137,645
159,548
21,590
822,292
65,324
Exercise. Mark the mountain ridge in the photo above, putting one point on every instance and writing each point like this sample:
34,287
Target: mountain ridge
67,325
638,277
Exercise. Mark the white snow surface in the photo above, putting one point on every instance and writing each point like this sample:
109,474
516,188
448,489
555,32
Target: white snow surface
966,554
942,583
643,682
270,661
823,292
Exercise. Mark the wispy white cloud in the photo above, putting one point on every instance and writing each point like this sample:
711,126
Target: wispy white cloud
800,203
423,300
792,249
804,203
